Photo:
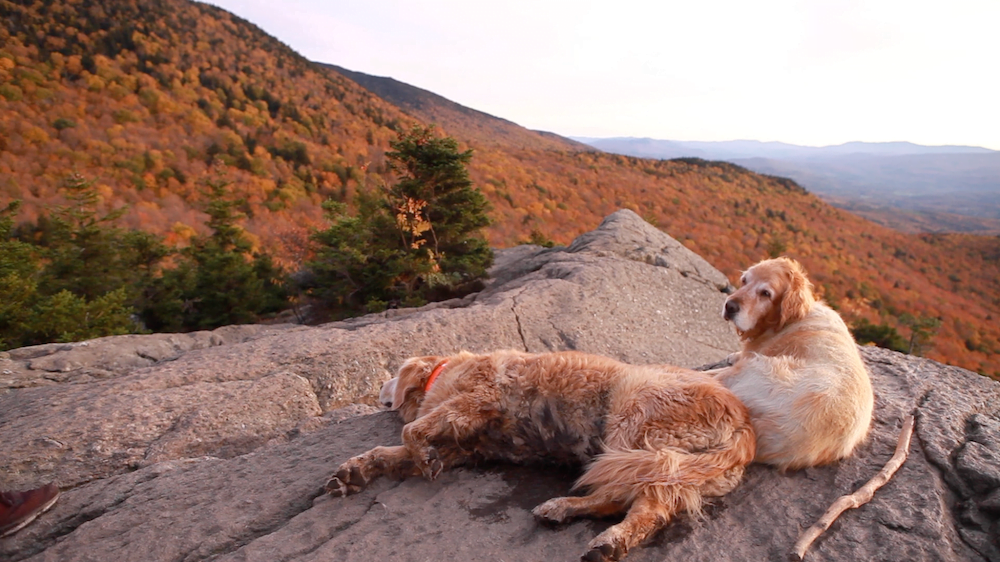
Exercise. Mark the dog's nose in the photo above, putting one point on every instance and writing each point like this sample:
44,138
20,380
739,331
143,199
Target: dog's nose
388,390
732,308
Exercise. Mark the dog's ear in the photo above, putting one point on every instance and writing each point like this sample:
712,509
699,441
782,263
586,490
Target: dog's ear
798,298
410,382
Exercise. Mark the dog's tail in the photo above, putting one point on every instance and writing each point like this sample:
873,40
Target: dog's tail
676,479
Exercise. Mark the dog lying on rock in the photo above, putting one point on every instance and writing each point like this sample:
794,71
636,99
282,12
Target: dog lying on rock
657,439
799,372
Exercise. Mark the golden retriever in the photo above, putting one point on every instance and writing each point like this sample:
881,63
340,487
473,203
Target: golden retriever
657,439
799,371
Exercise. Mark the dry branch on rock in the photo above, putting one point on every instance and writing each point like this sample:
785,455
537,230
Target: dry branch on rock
860,497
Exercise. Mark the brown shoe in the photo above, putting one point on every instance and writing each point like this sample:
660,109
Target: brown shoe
17,509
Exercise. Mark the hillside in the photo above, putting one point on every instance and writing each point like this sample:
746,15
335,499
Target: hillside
144,96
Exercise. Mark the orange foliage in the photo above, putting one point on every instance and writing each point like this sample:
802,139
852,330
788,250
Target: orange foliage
144,96
733,218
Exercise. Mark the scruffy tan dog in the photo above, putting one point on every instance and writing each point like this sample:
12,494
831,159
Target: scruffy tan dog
799,372
658,439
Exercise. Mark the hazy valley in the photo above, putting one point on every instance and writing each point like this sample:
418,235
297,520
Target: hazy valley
901,185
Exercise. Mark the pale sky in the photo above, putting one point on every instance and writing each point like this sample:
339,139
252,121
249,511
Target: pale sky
805,72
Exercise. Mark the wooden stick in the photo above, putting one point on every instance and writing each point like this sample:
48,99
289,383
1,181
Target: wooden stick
862,496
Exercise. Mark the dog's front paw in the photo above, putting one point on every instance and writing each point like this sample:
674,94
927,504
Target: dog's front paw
348,480
430,463
605,552
551,512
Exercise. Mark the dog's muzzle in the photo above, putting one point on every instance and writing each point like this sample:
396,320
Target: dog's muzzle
731,309
387,392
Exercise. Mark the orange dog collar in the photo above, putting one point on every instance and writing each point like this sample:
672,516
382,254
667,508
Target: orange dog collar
434,374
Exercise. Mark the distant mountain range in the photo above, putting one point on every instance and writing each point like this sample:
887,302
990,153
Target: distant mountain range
738,149
900,184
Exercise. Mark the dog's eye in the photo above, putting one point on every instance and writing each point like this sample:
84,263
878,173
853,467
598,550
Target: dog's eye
765,293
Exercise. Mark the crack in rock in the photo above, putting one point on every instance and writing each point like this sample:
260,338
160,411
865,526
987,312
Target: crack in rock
517,319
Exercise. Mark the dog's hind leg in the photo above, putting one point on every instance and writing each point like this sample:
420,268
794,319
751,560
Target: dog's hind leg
646,516
354,475
558,510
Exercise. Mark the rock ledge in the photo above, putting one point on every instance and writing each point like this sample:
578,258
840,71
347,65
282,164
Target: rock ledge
215,445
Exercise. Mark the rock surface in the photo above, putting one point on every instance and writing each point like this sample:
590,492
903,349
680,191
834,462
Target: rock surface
215,445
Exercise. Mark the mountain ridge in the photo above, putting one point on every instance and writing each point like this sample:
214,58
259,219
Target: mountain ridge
433,108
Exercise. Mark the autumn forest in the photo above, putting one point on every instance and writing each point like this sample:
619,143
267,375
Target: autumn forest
153,100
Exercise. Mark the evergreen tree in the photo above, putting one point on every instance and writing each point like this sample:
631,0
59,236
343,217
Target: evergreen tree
922,331
18,269
89,256
219,279
80,283
416,240
882,335
85,277
361,261
434,179
67,317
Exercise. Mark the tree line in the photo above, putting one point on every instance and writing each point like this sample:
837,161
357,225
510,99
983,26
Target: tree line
74,274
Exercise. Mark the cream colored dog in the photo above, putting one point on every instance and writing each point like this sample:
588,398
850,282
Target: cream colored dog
799,372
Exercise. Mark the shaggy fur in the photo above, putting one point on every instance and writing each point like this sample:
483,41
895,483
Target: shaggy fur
657,439
799,372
